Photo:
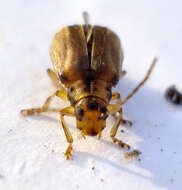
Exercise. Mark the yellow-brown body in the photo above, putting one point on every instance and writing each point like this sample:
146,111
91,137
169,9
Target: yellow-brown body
88,63
77,58
88,68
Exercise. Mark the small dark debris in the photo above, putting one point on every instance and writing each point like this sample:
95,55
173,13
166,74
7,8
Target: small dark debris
77,186
2,176
122,131
102,180
171,180
132,154
173,95
93,168
52,150
10,131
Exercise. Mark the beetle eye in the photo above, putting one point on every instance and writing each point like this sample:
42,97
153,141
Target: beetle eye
79,113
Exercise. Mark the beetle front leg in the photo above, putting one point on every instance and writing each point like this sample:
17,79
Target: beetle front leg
114,131
55,79
69,111
113,109
45,107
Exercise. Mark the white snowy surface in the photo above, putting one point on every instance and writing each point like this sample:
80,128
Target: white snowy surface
31,148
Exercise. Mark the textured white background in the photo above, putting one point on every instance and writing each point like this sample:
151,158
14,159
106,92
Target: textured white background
31,149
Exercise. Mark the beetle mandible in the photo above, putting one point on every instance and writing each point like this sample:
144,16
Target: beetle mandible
88,63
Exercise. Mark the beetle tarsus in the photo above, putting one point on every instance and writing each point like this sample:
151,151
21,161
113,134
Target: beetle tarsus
121,143
33,111
68,153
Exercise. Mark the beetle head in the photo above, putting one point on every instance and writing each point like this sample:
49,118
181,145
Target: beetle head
91,115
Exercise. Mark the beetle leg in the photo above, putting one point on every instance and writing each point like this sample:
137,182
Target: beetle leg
62,94
45,107
69,111
55,79
116,96
114,131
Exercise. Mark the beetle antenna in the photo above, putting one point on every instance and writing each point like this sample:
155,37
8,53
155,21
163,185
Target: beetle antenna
141,83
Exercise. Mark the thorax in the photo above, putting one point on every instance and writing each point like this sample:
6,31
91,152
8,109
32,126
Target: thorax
81,89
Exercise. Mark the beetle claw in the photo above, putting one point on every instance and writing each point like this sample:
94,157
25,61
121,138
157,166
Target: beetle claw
68,152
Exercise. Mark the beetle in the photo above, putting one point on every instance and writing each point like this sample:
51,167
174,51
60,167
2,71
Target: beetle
88,62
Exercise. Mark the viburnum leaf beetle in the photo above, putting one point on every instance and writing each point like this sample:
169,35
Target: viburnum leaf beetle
88,63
